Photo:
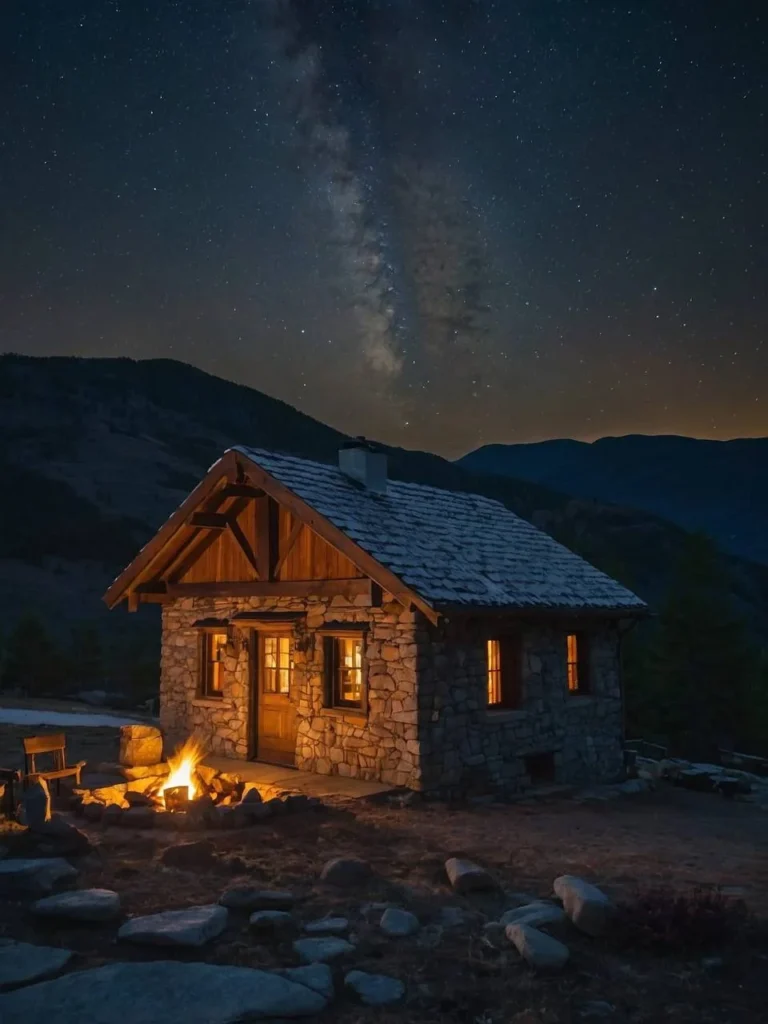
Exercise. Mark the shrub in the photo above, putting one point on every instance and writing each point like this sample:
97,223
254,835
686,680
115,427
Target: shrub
663,921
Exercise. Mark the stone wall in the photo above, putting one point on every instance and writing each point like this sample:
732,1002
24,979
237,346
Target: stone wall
440,736
467,747
382,745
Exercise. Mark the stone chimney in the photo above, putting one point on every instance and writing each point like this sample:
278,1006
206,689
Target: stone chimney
362,461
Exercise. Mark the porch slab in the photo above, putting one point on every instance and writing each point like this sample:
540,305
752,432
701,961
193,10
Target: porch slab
284,777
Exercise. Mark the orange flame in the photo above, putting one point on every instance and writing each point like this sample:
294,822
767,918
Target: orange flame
182,765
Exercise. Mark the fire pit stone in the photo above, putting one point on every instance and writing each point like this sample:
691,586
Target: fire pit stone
140,745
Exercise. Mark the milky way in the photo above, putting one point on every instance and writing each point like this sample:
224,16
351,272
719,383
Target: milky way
438,223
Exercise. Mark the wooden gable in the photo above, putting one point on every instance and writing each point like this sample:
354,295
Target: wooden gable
243,533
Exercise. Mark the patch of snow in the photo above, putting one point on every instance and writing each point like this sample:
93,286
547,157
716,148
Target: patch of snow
34,716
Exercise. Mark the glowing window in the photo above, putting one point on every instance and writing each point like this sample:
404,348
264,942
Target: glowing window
213,653
278,664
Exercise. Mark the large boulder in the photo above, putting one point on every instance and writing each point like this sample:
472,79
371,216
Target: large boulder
140,745
586,905
193,926
38,876
80,905
21,963
162,992
537,949
316,976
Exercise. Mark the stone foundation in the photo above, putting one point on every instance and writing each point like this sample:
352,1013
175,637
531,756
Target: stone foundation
428,725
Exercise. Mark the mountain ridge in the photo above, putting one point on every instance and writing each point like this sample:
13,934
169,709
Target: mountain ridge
97,453
716,487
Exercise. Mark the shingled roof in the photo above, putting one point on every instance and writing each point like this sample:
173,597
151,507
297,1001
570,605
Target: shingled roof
452,548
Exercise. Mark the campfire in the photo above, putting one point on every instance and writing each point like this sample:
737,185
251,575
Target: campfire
182,783
181,792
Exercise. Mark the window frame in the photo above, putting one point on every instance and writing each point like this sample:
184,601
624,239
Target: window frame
332,668
205,687
578,666
511,686
277,635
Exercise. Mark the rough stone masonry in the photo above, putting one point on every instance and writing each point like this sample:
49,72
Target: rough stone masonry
428,726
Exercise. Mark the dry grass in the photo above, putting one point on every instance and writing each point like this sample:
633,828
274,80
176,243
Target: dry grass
675,838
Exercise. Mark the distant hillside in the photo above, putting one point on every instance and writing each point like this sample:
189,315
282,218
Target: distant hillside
716,487
96,453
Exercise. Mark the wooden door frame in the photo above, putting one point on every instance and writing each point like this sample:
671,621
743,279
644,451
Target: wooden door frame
255,658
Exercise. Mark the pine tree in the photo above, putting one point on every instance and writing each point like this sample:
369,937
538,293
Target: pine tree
702,664
32,662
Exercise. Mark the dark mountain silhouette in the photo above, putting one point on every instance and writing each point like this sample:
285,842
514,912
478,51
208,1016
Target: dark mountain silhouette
96,453
715,487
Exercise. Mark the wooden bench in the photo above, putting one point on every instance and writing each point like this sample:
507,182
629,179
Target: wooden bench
56,745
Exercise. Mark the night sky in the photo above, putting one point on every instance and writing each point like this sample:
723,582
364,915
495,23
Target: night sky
436,223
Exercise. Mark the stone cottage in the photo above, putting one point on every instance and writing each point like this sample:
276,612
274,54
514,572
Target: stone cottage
326,617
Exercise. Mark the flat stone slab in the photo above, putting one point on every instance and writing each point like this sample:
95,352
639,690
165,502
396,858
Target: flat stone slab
21,963
538,915
248,898
327,926
537,949
375,989
318,951
315,976
80,905
193,926
162,992
466,876
38,876
398,923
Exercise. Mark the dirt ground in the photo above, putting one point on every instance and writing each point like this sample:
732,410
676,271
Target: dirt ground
672,837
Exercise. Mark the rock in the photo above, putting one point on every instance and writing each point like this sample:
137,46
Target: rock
314,951
346,871
296,802
137,817
271,921
145,771
537,949
247,898
256,812
58,837
398,923
80,905
466,876
589,908
21,963
92,812
538,915
193,926
140,745
327,926
111,815
162,992
430,937
375,989
189,855
315,976
36,804
251,796
232,817
39,876
135,799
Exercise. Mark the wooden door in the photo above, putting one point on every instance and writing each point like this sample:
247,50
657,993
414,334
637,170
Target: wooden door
275,715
